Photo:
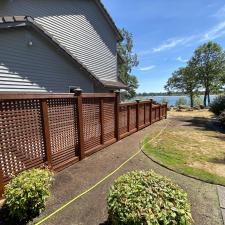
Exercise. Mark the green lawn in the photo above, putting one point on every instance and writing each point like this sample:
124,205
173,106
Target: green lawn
191,151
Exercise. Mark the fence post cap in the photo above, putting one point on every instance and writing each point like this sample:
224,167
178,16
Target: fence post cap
138,100
116,91
77,91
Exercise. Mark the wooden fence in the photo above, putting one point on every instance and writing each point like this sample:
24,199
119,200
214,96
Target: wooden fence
57,130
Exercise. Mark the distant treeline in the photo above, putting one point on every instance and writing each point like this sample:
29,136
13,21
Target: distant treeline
168,93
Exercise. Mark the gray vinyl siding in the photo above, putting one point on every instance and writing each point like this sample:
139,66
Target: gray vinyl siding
78,25
37,68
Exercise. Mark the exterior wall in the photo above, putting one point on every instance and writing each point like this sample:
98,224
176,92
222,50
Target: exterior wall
39,67
79,26
101,89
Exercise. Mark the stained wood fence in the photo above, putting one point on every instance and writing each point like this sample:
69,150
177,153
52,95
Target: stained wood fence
57,130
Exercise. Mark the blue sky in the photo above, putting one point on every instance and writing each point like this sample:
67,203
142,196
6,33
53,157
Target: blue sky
166,33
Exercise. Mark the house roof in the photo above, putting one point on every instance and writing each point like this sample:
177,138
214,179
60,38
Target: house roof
109,19
114,84
7,22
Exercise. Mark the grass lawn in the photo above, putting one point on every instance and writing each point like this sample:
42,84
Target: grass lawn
192,146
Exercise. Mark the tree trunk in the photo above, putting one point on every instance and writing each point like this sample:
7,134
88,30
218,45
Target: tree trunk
209,98
205,96
192,100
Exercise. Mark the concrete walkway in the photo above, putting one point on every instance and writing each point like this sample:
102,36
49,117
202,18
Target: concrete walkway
91,209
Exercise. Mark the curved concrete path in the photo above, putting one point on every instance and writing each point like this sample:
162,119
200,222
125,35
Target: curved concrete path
91,209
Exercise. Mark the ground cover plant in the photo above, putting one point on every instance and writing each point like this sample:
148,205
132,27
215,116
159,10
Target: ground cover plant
26,194
144,197
191,147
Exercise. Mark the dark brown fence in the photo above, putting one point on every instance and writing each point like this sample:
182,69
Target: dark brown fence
57,130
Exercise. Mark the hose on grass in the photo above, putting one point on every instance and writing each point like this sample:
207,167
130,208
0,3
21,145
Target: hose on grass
102,180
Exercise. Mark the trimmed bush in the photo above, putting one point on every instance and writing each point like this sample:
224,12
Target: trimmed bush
144,197
222,118
27,193
218,105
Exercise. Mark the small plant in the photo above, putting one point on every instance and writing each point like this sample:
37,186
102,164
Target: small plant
27,193
198,101
164,100
222,118
181,101
218,105
144,197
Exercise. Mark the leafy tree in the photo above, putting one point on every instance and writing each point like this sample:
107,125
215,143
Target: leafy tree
209,63
130,60
184,80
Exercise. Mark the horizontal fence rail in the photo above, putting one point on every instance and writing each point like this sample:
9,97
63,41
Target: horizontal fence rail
57,130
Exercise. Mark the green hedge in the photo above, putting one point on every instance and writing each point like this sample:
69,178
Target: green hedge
144,197
26,194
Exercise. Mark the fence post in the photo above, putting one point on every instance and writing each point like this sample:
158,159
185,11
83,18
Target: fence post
47,138
159,111
150,111
166,109
128,118
137,114
78,93
144,114
117,102
102,120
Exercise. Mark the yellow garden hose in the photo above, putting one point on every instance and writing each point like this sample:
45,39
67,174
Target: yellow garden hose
101,181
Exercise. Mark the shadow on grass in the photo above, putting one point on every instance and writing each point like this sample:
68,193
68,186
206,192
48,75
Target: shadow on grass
218,161
206,124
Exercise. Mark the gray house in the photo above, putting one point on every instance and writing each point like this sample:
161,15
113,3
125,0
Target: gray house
55,45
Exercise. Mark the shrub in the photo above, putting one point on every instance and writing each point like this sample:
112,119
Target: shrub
198,101
144,197
26,194
164,100
218,105
181,101
222,118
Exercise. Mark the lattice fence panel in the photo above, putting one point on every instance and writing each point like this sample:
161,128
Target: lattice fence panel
109,119
92,126
157,113
122,119
133,116
63,126
147,112
141,114
21,139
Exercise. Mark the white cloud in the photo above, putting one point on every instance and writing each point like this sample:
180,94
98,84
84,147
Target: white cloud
167,45
220,13
215,32
172,43
147,68
180,59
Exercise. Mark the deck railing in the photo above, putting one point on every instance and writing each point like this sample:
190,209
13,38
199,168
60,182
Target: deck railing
57,130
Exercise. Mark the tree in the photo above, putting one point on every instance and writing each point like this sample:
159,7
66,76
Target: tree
209,63
184,80
130,60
